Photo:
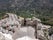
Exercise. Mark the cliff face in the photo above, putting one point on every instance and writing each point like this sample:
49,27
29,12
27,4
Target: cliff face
19,4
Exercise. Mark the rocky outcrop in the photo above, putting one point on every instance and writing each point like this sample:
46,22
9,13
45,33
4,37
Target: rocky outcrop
17,27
